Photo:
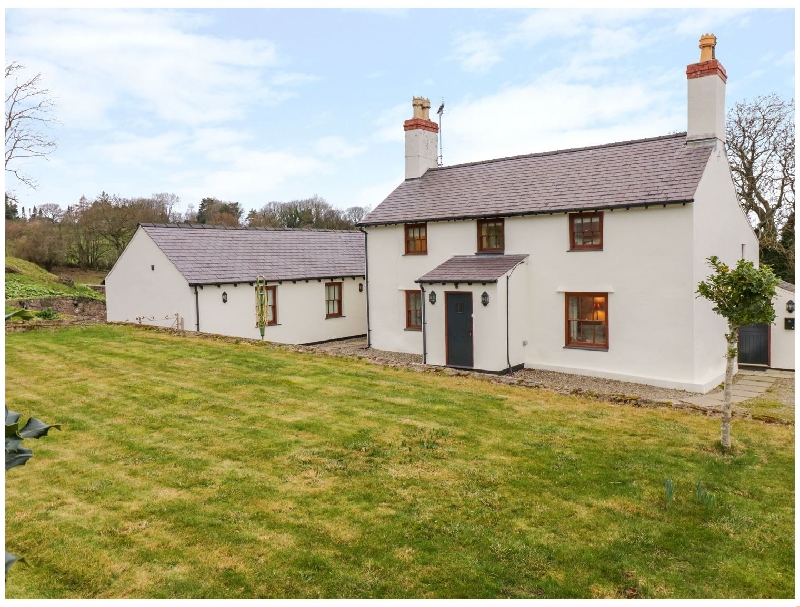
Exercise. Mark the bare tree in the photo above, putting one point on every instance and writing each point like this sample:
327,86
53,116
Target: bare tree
760,144
29,109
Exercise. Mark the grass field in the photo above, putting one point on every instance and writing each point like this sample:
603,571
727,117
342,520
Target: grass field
195,467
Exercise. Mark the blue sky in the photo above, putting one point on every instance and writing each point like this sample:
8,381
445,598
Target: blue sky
258,105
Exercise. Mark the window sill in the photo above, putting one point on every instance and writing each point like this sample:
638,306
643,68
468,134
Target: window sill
583,250
336,316
412,254
491,252
592,348
418,330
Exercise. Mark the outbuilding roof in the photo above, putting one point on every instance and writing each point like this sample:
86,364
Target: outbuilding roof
786,286
207,254
660,170
472,268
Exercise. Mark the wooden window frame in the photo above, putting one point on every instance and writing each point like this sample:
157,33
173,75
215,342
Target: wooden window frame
481,223
274,290
419,241
409,325
567,319
582,247
338,300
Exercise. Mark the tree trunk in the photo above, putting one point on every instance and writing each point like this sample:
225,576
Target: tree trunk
732,353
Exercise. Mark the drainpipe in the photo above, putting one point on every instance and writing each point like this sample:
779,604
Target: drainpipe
424,328
366,281
197,308
508,338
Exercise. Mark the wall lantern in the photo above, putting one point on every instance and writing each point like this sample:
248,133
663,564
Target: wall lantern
485,298
224,297
790,306
432,297
361,287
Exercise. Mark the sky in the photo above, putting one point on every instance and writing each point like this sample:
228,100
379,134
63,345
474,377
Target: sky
262,105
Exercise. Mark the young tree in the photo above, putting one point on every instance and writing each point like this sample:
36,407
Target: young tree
742,296
760,147
29,108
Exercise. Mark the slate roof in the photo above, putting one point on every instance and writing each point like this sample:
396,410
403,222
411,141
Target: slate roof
472,268
660,170
786,286
215,254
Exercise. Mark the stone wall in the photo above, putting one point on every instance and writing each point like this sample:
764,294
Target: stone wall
82,308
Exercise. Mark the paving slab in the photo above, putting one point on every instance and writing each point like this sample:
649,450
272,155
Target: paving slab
705,402
719,397
746,393
747,381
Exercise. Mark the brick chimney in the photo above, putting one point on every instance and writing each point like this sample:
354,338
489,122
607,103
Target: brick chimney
706,94
422,140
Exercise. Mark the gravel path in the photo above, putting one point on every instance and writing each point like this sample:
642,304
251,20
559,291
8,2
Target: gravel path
564,383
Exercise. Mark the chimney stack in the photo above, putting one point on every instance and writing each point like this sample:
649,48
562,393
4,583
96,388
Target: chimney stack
422,139
706,94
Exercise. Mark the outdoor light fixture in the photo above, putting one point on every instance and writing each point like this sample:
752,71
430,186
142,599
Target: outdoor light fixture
485,298
790,306
432,297
224,297
361,287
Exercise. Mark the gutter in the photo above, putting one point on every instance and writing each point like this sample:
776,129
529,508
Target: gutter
608,207
366,282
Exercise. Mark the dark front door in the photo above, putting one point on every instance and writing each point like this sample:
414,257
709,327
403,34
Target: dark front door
459,329
754,344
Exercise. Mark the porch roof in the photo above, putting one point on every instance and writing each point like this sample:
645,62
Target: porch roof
472,268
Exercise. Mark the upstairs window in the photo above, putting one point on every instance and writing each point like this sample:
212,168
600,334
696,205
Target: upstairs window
586,231
333,299
416,239
491,237
587,320
413,309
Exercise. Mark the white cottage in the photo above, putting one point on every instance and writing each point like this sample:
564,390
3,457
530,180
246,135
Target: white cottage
205,278
583,260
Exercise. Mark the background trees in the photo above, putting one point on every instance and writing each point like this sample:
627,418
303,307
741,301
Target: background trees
760,147
29,112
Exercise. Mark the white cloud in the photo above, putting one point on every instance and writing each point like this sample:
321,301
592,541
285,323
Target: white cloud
708,20
476,52
550,115
389,123
136,150
153,61
337,147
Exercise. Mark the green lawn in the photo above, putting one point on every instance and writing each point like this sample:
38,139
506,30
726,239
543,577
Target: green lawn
195,467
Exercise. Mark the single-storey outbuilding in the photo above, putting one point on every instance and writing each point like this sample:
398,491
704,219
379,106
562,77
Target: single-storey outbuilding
210,279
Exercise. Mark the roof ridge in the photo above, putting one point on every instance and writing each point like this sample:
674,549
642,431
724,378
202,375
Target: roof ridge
206,226
556,152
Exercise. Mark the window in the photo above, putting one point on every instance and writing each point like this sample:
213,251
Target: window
270,305
333,299
413,309
587,319
416,239
490,235
586,231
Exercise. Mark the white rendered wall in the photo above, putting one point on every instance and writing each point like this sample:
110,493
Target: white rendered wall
134,290
391,273
782,340
300,311
646,269
720,228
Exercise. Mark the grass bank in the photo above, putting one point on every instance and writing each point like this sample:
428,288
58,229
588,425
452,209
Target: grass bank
26,280
189,467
